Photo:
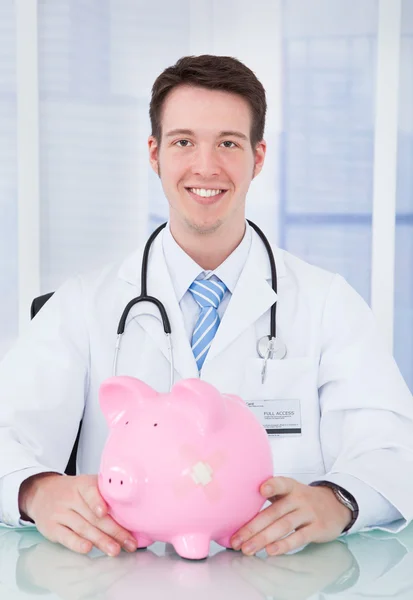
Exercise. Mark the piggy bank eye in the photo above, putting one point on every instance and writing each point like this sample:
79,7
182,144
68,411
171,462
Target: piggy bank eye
126,422
155,424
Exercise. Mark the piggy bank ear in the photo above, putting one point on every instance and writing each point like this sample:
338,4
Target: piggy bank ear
117,395
202,401
235,398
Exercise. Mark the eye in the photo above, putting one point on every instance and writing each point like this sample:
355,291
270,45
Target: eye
227,144
127,422
155,425
183,143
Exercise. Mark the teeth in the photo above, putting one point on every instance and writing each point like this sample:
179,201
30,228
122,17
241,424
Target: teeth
205,193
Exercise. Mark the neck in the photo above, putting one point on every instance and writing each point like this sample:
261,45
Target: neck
208,249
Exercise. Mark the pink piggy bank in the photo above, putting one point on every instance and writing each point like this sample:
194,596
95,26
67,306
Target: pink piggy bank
183,467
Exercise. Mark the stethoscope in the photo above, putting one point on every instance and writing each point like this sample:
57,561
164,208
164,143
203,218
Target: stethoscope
268,347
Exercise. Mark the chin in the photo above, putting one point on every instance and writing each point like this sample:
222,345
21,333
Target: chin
203,227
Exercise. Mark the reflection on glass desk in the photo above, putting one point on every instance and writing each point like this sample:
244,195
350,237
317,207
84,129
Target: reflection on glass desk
372,565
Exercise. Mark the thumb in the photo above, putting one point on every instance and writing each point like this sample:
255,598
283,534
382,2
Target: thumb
89,491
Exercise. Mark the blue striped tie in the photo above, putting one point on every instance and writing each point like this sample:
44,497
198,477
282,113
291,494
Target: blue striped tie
208,295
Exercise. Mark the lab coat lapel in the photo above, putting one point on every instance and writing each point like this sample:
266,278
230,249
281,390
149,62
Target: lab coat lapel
160,286
252,297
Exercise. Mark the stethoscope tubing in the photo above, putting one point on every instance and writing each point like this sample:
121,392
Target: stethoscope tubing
143,297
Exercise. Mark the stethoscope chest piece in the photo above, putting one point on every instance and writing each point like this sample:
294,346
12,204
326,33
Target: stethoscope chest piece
278,350
269,348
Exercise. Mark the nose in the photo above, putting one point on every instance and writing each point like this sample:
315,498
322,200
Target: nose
118,483
206,163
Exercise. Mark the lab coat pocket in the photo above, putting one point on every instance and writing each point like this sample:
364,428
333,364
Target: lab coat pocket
289,395
288,378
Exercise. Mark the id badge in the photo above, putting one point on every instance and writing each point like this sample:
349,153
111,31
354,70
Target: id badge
278,417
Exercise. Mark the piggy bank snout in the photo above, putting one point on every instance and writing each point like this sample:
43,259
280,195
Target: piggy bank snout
118,483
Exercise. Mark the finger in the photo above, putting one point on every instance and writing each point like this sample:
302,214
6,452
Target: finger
277,486
122,536
71,540
89,491
274,532
263,520
110,527
87,531
300,537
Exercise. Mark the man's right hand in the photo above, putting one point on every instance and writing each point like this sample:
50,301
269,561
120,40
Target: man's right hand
71,511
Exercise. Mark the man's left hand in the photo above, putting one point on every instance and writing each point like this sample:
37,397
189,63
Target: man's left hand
302,513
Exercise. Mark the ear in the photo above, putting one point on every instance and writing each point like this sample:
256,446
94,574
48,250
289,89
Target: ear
235,398
202,401
259,157
153,148
118,394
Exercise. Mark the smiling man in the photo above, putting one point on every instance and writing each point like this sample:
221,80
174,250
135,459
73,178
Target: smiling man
206,168
343,442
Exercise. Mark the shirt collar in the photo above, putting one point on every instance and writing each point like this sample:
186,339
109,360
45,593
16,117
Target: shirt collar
183,269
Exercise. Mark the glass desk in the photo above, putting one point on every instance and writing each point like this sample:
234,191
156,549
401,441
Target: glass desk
371,566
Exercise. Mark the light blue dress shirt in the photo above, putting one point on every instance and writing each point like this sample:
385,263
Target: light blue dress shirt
183,270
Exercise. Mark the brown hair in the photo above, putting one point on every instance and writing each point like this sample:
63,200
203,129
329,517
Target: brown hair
214,73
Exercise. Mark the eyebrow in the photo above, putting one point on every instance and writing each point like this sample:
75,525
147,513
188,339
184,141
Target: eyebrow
179,132
236,134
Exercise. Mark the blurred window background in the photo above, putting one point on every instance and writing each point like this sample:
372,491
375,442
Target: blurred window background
8,178
403,296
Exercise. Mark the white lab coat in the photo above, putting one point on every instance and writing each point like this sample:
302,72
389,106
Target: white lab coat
356,410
